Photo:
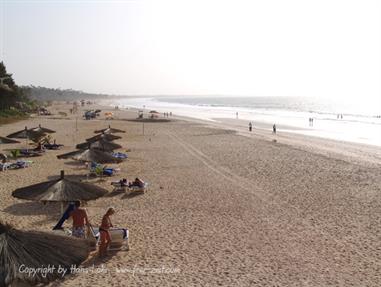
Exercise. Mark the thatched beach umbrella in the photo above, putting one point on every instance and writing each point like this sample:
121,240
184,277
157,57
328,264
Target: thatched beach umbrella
100,145
44,130
60,190
29,250
4,140
94,155
107,137
109,130
69,154
26,134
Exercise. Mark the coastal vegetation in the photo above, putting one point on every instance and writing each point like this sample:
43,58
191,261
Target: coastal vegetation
14,102
17,102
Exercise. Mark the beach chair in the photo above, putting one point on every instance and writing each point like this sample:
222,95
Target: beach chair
30,153
100,170
120,155
23,163
138,188
119,186
15,165
53,146
5,166
119,238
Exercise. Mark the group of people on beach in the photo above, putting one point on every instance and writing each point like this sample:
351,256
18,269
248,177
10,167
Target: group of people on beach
251,127
81,220
137,182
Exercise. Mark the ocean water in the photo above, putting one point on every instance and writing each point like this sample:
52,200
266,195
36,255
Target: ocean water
343,120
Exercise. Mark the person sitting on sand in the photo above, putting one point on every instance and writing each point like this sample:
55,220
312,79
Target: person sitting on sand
3,158
104,230
137,182
124,182
40,147
80,219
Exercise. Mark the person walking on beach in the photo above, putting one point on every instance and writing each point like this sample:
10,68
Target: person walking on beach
80,219
104,230
250,126
274,129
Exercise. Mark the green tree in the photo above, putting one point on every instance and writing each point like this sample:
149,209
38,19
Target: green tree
10,94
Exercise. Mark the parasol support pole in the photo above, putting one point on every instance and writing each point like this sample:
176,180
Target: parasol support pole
62,177
26,138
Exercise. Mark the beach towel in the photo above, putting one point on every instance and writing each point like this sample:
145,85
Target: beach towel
64,217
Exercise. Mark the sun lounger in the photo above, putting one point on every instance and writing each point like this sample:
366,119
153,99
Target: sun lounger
5,166
119,238
119,186
53,146
15,165
138,188
120,155
22,163
30,153
100,170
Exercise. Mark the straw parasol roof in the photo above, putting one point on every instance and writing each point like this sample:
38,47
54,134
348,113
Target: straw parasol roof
109,130
60,190
100,145
154,112
33,249
25,133
69,154
94,155
107,137
4,140
41,129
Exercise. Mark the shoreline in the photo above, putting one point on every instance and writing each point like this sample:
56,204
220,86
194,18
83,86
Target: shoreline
350,129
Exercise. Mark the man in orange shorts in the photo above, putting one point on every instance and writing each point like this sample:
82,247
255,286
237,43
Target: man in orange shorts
104,231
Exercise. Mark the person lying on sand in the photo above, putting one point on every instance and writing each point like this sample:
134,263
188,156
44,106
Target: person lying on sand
137,182
80,219
104,230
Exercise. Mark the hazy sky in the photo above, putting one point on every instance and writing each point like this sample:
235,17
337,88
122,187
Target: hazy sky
325,48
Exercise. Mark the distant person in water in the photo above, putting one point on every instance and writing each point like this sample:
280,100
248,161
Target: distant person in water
250,126
236,114
274,129
80,219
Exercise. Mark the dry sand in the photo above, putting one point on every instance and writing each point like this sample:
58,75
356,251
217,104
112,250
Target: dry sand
223,208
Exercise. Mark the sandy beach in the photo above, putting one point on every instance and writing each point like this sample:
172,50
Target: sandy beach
224,207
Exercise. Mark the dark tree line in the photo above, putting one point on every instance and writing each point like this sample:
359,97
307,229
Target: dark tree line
11,96
15,98
48,94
